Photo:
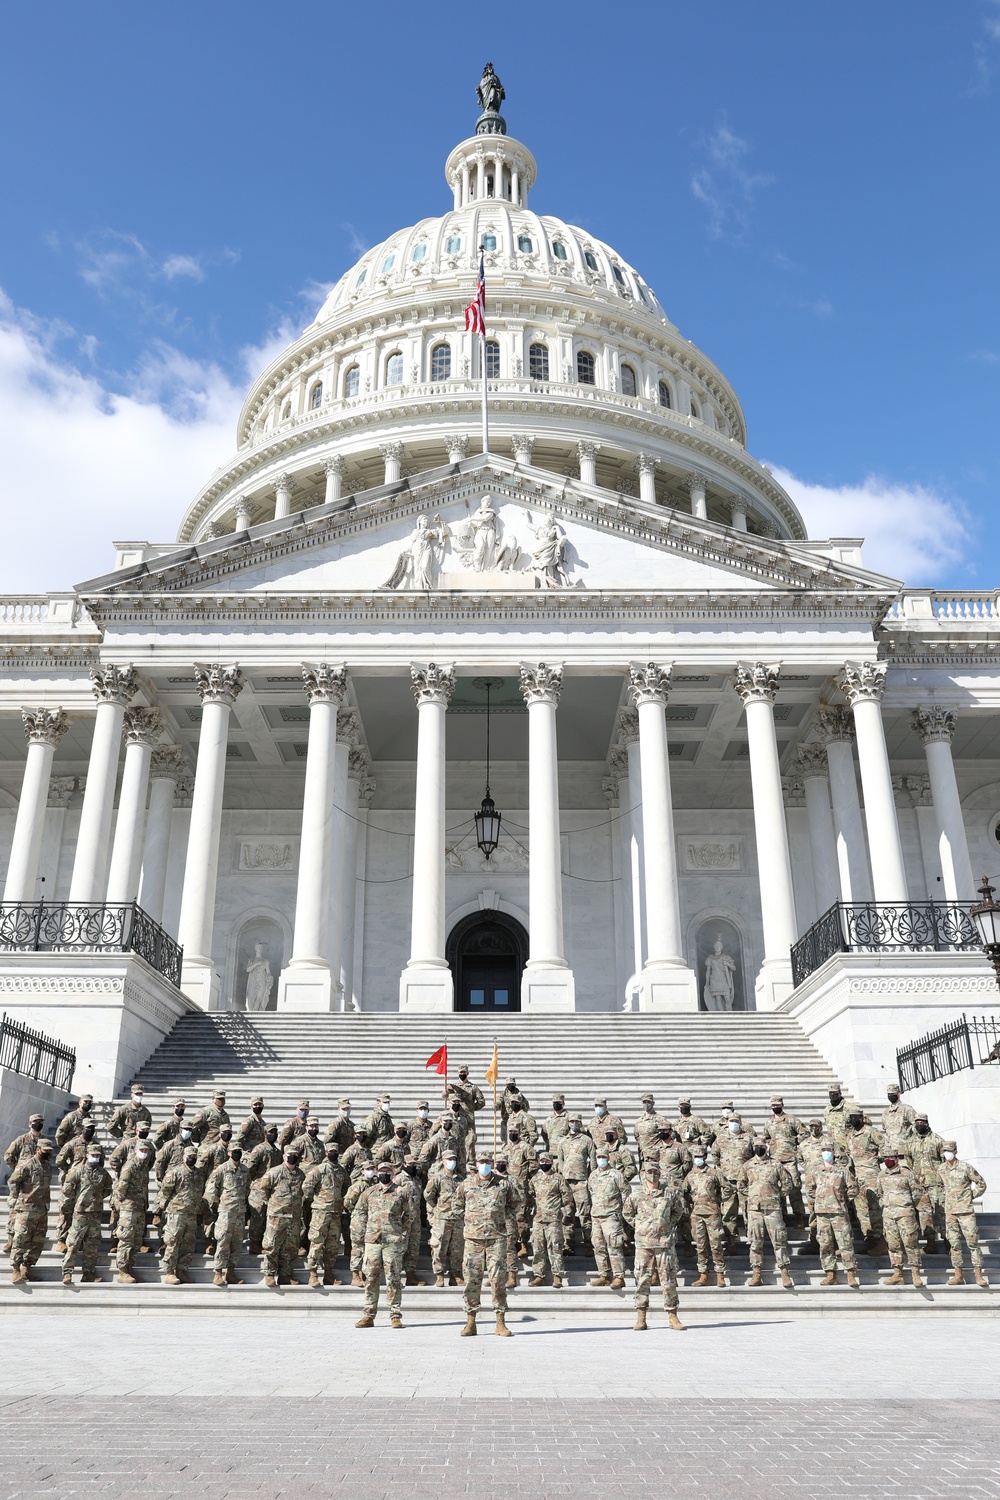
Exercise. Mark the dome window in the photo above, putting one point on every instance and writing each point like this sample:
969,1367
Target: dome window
538,361
419,251
441,362
352,381
591,260
492,360
559,250
585,368
453,244
489,241
642,294
388,264
628,381
286,411
694,410
663,393
316,396
524,243
361,277
617,271
394,369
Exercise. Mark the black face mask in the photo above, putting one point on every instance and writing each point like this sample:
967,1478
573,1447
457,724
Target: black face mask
666,1135
272,1136
545,1166
856,1122
515,1106
445,1124
759,1151
258,1109
922,1127
88,1132
515,1136
190,1161
401,1135
685,1109
333,1157
464,1075
501,1169
777,1109
411,1169
236,1155
385,1177
836,1098
557,1109
610,1137
179,1113
86,1108
893,1098
456,1109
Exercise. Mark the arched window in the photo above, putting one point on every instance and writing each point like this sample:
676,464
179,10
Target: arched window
489,185
591,260
558,249
628,381
618,275
419,251
388,264
352,381
538,361
663,391
492,360
585,368
441,362
286,411
316,396
524,243
394,369
453,244
361,277
694,410
489,241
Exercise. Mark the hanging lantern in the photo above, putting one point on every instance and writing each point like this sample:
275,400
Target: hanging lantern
487,819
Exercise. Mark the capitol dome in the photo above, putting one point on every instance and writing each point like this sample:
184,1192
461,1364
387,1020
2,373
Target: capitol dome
587,376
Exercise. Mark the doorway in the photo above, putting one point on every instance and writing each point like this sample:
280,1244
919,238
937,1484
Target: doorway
486,954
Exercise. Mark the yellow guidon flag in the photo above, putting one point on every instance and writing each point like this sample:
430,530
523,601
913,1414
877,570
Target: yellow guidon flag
493,1071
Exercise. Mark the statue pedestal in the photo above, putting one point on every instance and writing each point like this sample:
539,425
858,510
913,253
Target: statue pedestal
307,987
491,123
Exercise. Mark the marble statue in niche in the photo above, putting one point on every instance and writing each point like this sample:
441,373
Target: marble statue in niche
260,980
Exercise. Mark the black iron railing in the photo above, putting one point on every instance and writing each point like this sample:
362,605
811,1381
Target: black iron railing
880,927
960,1044
88,927
35,1055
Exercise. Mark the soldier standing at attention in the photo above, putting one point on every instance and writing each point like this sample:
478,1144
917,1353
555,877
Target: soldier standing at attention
295,1125
360,1185
608,1190
72,1124
835,1118
32,1181
88,1184
557,1124
379,1123
384,1215
324,1188
260,1161
784,1132
469,1095
897,1123
810,1157
513,1209
647,1129
75,1150
22,1148
864,1147
902,1198
127,1116
254,1127
765,1182
446,1212
689,1127
703,1188
926,1156
551,1202
207,1123
962,1186
522,1163
131,1199
226,1192
485,1201
833,1190
654,1211
603,1122
341,1127
171,1128
281,1191
179,1203
576,1159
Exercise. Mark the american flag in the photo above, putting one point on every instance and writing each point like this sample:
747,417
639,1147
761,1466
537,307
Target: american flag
475,313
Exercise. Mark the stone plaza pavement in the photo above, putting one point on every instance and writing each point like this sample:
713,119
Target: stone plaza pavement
226,1409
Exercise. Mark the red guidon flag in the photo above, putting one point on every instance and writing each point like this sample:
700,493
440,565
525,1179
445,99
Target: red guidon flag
475,313
438,1061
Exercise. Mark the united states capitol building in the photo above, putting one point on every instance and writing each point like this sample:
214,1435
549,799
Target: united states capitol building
736,770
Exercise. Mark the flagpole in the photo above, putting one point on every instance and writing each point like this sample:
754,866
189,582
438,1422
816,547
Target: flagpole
496,1070
486,420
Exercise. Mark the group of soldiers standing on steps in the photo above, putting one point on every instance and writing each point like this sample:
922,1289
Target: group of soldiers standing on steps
553,1189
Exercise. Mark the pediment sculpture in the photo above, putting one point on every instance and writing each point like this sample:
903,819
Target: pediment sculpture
482,545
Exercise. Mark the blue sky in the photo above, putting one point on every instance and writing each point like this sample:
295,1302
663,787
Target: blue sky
810,188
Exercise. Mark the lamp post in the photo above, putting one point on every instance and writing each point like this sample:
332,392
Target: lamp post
487,819
986,915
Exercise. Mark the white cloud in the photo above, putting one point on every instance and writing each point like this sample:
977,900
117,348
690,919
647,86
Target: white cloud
182,265
985,357
911,532
725,185
84,461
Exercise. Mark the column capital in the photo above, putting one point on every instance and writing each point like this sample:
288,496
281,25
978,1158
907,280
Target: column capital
793,789
61,789
628,726
323,682
457,446
541,683
587,449
862,681
390,451
646,463
835,723
218,683
522,444
934,725
649,683
44,726
736,505
757,682
349,728
335,465
243,507
284,482
113,684
142,726
696,480
167,763
433,683
812,759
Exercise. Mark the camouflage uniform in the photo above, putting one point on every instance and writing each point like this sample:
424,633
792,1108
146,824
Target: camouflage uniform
311,1149
621,1158
484,1202
171,1153
833,1193
179,1204
901,1196
75,1150
226,1191
32,1181
784,1132
551,1202
407,1181
576,1158
520,1119
647,1129
341,1128
131,1198
835,1118
673,1158
926,1154
445,1211
469,1095
704,1189
962,1185
897,1125
71,1124
608,1191
557,1124
281,1191
463,1129
211,1156
655,1212
324,1189
689,1127
260,1161
810,1161
357,1157
379,1125
359,1187
514,1201
295,1125
22,1148
127,1116
865,1146
254,1127
603,1122
394,1151
438,1142
418,1132
208,1122
384,1215
764,1183
88,1184
171,1129
522,1163
510,1093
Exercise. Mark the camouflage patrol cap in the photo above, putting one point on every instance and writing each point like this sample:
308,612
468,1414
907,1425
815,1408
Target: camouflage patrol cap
651,1169
382,1098
219,1094
343,1103
303,1104
422,1104
292,1154
180,1104
600,1099
950,1146
815,1121
920,1116
409,1161
482,1156
827,1143
137,1088
576,1119
86,1098
727,1104
256,1100
684,1099
646,1099
450,1153
544,1156
36,1119
777,1099
512,1083
558,1098
225,1131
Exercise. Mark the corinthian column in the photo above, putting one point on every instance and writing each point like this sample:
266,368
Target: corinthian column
167,765
113,688
863,684
283,487
587,453
647,478
548,980
936,728
333,468
836,727
822,839
308,982
143,727
667,982
43,729
757,685
426,982
219,687
697,484
392,457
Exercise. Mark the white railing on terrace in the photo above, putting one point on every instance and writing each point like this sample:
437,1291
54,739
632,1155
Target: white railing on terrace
58,611
947,605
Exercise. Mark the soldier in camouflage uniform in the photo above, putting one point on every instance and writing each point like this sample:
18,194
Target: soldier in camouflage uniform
865,1146
324,1189
673,1158
654,1210
901,1196
260,1161
446,1213
727,1110
379,1124
171,1128
897,1124
485,1200
358,1154
608,1190
208,1122
458,1123
127,1116
522,1163
445,1137
783,1133
226,1193
647,1129
522,1119
576,1158
32,1181
341,1128
810,1157
407,1179
962,1186
835,1118
179,1203
704,1191
295,1125
75,1150
131,1200
556,1125
765,1182
210,1156
22,1148
469,1095
395,1150
88,1184
254,1127
551,1202
281,1190
72,1123
121,1156
926,1155
363,1184
312,1153
172,1152
619,1156
603,1122
418,1132
513,1210
833,1191
384,1215
690,1127
510,1093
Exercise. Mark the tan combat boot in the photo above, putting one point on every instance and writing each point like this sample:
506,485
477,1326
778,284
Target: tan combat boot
786,1278
126,1278
915,1276
455,1281
701,1280
956,1278
269,1280
313,1279
412,1279
830,1279
396,1321
439,1281
537,1281
366,1320
617,1283
232,1278
720,1278
469,1331
67,1278
61,1247
172,1280
503,1332
90,1276
756,1279
981,1276
357,1279
511,1279
15,1275
217,1280
557,1281
640,1320
600,1281
852,1278
673,1321
896,1279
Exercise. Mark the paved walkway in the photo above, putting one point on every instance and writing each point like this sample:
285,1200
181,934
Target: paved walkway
227,1409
